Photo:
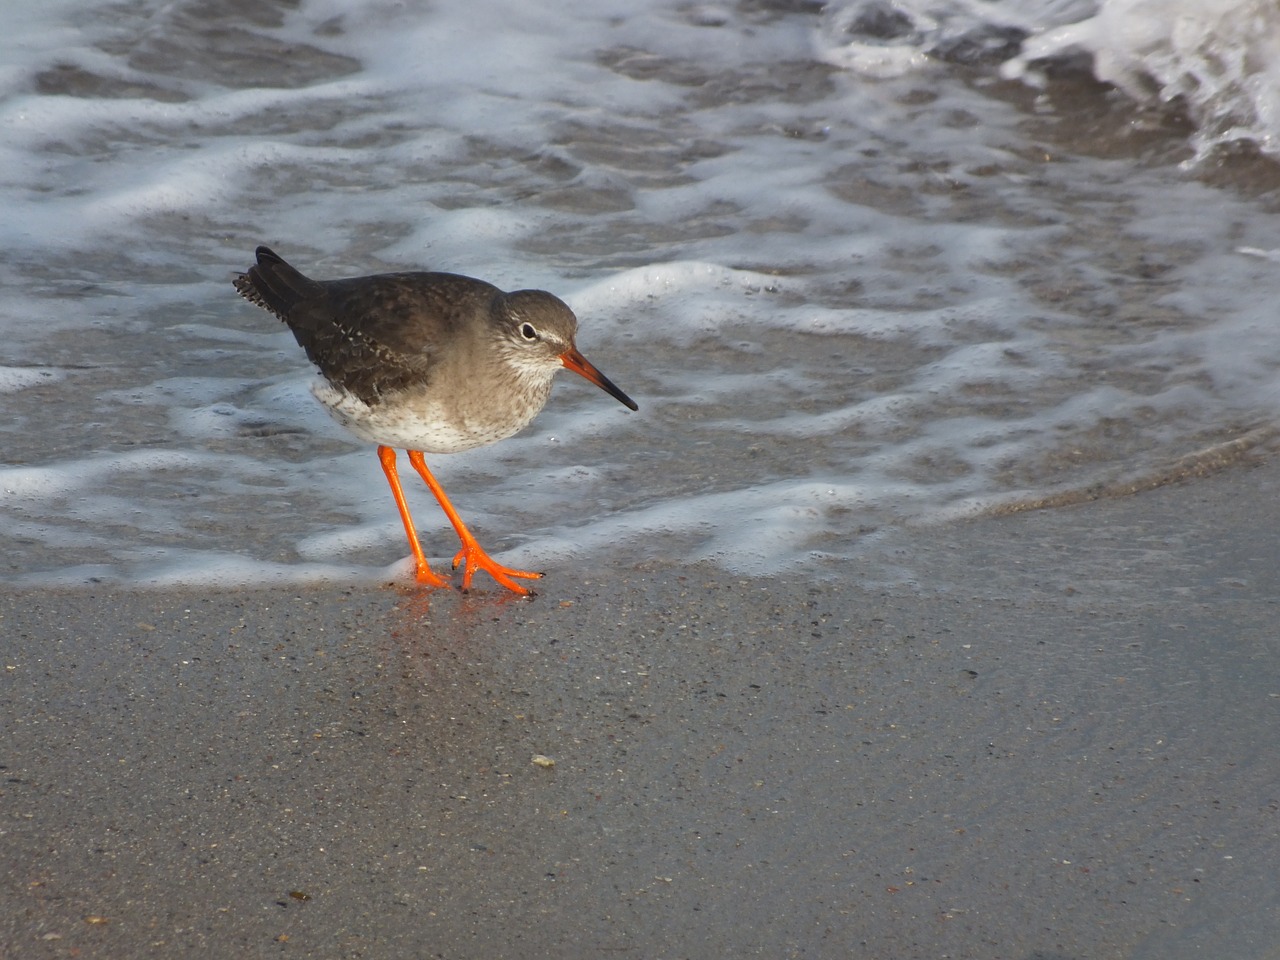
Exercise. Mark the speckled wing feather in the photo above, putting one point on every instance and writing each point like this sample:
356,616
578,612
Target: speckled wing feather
372,336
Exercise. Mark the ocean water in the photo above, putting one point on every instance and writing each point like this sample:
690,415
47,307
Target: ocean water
863,266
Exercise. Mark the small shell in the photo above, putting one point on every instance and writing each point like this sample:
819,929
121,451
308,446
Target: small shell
541,761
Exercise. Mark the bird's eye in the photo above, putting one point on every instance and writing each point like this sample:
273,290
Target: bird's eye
528,331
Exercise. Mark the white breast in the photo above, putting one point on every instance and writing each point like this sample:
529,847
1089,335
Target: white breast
416,423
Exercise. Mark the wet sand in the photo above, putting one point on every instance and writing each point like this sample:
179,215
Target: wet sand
1060,744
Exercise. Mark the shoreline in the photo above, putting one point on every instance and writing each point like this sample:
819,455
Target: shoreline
1058,744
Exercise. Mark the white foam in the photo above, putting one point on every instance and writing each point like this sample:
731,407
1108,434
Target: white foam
841,306
13,379
1221,60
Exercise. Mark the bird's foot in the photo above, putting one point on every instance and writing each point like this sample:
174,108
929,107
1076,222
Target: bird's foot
425,575
472,558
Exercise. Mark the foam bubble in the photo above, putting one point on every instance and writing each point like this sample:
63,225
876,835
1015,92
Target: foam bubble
13,379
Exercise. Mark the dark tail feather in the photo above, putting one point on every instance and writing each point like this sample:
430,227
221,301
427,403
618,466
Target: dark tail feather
274,285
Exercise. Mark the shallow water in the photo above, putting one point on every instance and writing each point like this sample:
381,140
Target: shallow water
846,300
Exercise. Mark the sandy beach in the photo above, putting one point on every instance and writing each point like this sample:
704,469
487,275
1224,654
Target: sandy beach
1059,744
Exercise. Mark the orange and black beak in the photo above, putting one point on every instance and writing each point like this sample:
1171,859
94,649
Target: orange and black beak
580,365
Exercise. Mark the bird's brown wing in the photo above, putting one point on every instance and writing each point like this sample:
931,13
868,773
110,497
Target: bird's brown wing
372,336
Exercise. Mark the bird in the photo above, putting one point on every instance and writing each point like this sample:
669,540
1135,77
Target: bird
428,362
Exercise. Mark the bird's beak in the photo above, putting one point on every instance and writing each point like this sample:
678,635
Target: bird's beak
580,365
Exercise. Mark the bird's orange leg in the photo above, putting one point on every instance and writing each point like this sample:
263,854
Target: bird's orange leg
424,575
472,555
